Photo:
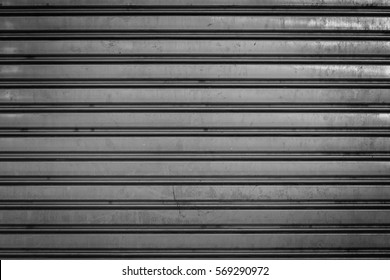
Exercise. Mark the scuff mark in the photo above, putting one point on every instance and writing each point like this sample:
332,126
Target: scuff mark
181,214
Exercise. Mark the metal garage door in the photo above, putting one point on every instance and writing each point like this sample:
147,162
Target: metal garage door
160,128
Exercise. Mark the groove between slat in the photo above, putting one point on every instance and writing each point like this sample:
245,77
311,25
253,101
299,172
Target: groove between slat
37,60
196,253
198,83
194,180
319,4
195,10
191,229
368,108
182,205
221,133
20,157
304,35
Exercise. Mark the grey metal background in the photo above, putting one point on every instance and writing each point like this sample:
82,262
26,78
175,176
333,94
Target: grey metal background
219,128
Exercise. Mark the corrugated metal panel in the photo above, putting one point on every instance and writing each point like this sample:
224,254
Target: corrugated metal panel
171,128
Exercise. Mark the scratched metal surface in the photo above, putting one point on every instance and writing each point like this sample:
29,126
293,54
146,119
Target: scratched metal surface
182,128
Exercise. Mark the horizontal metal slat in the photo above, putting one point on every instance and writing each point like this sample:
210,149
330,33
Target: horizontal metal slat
210,47
205,241
222,72
195,217
196,168
193,96
201,144
251,192
188,23
160,121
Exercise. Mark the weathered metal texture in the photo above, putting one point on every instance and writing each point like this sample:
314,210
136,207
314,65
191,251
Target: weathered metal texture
182,128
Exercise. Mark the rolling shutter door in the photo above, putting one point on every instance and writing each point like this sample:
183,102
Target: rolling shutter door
167,128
